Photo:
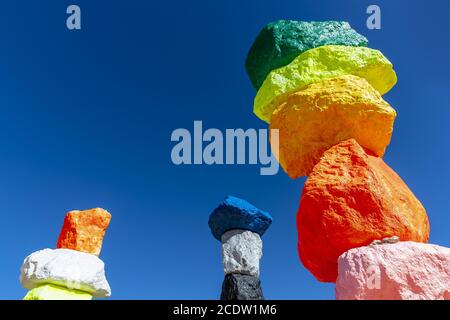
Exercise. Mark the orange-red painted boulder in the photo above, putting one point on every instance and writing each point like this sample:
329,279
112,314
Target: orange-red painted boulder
84,230
350,199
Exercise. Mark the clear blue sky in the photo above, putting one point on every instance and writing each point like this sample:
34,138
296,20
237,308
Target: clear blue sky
86,119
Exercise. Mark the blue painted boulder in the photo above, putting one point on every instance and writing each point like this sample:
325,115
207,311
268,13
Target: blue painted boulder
235,213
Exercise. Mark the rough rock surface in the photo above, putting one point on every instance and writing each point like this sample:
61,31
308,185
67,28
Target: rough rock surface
321,63
282,41
350,199
322,114
393,239
241,287
235,213
68,268
404,270
84,230
241,252
53,292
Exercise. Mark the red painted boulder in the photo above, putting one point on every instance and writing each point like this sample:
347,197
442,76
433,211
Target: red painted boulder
350,199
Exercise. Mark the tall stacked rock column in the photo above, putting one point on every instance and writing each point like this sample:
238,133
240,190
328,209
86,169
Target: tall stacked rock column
239,226
321,87
73,270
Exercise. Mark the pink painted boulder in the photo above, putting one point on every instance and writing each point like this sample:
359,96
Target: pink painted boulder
400,271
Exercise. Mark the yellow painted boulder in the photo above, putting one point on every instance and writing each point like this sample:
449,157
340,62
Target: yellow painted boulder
54,292
322,114
321,63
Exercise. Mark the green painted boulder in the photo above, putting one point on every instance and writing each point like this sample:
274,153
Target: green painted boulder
282,41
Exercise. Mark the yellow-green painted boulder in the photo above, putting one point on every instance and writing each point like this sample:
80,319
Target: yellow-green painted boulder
322,114
321,63
54,292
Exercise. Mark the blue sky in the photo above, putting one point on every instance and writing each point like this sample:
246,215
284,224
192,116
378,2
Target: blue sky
86,119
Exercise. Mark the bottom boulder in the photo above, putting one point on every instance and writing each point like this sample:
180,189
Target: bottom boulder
54,292
401,271
241,287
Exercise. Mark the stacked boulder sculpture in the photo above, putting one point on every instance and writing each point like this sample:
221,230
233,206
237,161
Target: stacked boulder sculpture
321,87
239,226
73,270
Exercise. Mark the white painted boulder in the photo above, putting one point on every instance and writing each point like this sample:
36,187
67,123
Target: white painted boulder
241,252
68,268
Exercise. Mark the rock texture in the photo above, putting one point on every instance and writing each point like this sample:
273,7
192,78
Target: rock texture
324,113
84,230
241,287
318,64
350,199
235,213
241,252
53,292
68,268
405,270
282,41
393,239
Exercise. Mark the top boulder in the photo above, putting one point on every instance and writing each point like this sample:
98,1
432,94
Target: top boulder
282,41
235,213
84,230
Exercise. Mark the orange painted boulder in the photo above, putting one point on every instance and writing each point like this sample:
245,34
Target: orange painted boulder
350,199
84,230
322,114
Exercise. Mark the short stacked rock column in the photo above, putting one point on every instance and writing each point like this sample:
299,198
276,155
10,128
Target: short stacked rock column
73,270
239,226
321,87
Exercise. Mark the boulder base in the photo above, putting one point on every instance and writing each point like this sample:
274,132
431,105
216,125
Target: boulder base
400,271
241,287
